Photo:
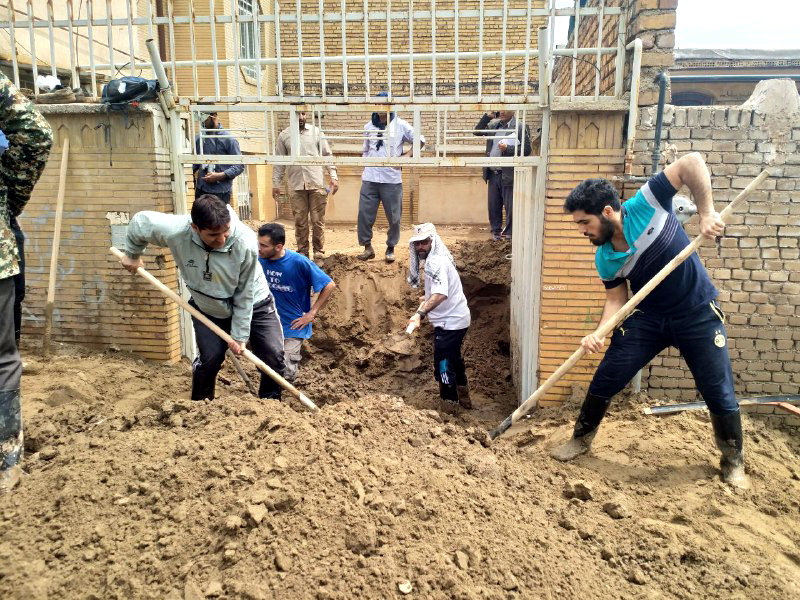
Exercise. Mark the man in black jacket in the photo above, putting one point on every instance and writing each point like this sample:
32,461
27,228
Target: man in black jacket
505,134
214,178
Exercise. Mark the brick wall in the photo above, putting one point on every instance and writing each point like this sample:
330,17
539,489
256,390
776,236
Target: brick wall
582,145
97,303
756,266
653,21
423,40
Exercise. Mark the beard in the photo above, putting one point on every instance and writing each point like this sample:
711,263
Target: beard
606,231
423,254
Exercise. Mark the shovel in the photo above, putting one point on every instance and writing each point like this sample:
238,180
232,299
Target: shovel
261,365
622,313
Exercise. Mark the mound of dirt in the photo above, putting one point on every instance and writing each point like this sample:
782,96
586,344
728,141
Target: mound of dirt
133,491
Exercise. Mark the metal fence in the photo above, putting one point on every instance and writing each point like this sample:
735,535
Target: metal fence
476,51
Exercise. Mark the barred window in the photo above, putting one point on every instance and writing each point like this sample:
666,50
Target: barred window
248,41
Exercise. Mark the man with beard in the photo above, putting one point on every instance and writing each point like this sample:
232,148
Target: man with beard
446,307
635,240
211,178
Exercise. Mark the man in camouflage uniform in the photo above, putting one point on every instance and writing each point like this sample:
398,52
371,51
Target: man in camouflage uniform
29,140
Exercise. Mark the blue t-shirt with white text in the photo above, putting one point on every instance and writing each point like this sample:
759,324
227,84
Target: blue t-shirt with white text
291,279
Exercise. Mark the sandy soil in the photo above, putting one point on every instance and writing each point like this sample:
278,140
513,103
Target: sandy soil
133,491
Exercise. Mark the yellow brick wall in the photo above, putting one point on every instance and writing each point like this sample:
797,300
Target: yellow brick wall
97,303
582,145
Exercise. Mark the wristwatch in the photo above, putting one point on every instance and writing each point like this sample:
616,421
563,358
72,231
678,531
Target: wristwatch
422,313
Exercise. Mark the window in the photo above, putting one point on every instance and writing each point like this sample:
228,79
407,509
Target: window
248,40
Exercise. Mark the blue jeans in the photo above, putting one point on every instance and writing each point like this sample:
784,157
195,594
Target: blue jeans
699,336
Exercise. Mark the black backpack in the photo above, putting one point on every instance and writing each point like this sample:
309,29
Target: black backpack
118,93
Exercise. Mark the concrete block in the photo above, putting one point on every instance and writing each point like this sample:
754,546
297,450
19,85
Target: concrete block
720,117
680,117
701,134
733,117
701,145
728,134
789,231
748,170
692,117
706,115
724,145
649,21
723,169
678,133
745,118
731,157
746,146
658,59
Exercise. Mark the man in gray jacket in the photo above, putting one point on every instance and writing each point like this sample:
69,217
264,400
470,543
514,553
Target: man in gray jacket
218,259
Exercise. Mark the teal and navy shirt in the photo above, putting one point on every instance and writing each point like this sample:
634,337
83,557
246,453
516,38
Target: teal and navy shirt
654,238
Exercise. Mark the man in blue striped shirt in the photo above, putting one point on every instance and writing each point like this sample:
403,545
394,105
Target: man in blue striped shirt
635,240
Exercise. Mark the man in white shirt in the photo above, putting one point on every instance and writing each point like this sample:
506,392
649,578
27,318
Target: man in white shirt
446,307
383,184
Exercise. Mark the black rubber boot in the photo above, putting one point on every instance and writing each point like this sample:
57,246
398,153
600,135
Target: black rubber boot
592,412
11,440
728,436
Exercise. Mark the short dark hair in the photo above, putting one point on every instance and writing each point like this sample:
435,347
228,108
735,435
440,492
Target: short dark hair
274,231
592,196
210,212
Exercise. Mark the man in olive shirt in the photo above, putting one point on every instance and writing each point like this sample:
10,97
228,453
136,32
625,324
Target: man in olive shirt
306,185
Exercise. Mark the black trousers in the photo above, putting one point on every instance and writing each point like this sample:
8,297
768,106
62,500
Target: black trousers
19,280
266,341
448,365
501,196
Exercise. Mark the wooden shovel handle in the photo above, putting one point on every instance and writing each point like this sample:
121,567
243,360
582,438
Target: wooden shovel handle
262,366
622,313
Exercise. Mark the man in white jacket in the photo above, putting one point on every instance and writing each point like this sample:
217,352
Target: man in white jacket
218,259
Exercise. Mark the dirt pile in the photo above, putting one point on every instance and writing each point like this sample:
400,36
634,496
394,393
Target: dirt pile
136,492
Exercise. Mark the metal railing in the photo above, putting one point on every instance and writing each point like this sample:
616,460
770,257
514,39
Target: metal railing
444,141
424,51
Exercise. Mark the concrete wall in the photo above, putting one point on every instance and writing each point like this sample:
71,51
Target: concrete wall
115,169
756,266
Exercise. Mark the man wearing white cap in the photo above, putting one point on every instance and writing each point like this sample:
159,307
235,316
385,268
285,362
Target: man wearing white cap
446,308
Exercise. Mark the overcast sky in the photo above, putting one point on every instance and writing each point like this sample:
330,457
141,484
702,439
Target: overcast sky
764,24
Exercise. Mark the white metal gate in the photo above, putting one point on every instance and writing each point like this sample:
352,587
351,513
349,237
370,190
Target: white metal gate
258,62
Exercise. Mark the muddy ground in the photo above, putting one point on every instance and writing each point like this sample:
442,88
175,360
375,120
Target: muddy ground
133,491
